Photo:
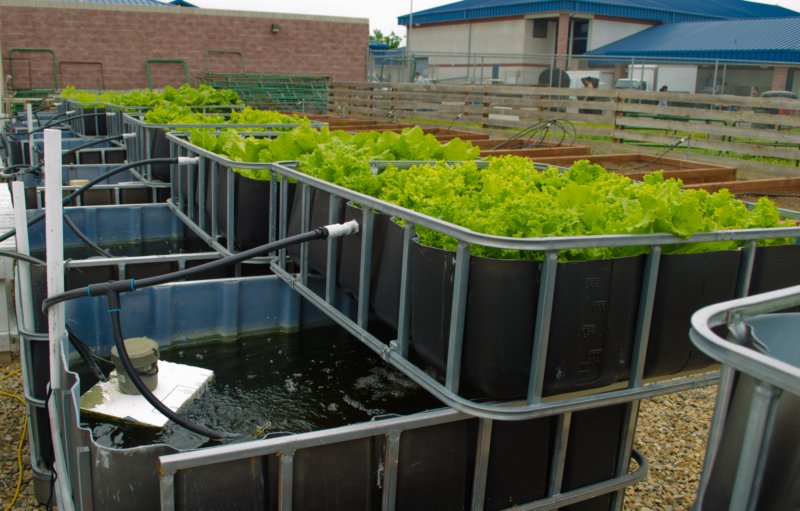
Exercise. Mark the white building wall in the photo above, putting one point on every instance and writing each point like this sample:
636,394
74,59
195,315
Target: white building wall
540,45
603,32
478,45
485,37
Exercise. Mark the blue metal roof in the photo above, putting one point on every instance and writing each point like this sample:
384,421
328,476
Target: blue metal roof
766,39
149,3
666,11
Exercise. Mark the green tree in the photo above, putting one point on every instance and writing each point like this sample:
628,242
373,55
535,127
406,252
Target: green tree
392,40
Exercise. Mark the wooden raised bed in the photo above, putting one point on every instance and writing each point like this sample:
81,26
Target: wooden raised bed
637,165
568,153
784,192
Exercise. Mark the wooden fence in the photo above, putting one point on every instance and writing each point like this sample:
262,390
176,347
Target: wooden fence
721,125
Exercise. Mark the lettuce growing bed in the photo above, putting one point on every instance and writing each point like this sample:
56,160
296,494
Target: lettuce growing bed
515,315
99,113
150,129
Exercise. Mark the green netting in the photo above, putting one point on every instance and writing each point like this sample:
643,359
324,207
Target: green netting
42,94
303,93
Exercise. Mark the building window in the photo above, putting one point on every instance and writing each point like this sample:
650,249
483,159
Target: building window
540,29
579,36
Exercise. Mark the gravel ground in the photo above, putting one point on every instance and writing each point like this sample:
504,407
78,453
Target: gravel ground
11,415
672,433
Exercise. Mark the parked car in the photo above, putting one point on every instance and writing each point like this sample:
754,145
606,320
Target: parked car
785,94
625,83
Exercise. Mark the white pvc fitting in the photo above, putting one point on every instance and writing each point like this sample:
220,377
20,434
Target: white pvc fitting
186,160
336,230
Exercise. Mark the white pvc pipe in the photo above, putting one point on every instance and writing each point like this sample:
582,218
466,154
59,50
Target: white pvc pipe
54,237
23,247
54,230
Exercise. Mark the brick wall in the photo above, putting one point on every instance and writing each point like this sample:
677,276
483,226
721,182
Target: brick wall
107,46
780,78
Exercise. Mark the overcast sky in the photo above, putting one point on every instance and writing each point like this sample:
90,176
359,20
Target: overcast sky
382,14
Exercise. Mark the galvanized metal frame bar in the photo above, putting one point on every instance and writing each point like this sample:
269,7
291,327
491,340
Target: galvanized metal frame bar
404,314
492,410
481,473
590,491
541,335
284,209
391,464
624,454
331,245
758,431
645,316
735,357
397,352
392,429
285,479
305,220
365,268
230,207
510,243
202,178
214,201
556,477
273,207
458,310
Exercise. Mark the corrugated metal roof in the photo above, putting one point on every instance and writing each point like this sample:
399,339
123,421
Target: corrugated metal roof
767,39
148,3
667,11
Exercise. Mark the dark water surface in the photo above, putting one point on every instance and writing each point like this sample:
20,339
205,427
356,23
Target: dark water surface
281,382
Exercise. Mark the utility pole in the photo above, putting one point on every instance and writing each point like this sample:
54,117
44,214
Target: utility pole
409,55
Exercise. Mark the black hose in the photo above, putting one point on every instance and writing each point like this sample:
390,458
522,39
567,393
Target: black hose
55,121
87,355
113,309
661,155
68,199
539,132
112,291
35,169
121,286
21,257
94,246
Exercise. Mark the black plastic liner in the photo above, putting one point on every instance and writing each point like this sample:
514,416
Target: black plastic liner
317,249
774,268
350,257
593,321
686,283
159,148
251,206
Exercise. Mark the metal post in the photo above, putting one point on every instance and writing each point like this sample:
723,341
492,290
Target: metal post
286,481
556,477
759,423
29,115
714,84
541,337
404,314
457,317
365,268
408,39
390,470
483,451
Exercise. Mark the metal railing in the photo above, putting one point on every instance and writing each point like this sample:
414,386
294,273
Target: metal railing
772,375
397,351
